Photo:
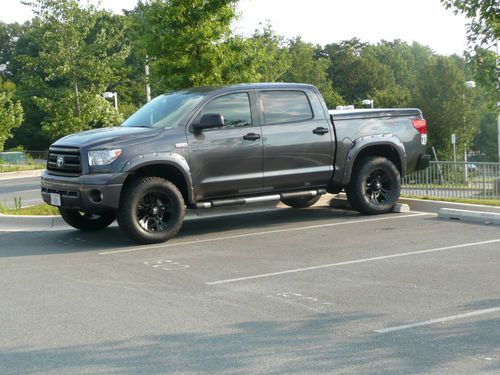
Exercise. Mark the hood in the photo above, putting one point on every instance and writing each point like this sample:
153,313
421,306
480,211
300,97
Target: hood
116,135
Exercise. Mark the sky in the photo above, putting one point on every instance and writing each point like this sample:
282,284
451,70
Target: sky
328,21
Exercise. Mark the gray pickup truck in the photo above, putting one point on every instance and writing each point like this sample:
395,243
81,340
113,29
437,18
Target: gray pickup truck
230,145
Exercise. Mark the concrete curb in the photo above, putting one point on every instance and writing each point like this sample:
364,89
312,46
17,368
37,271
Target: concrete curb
435,206
20,174
469,216
25,222
339,201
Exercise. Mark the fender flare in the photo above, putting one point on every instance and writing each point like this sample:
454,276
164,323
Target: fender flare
363,143
171,159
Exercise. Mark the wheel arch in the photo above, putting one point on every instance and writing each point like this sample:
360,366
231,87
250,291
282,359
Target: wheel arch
388,146
173,168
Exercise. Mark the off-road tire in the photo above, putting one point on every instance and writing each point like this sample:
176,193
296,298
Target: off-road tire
86,221
151,210
375,186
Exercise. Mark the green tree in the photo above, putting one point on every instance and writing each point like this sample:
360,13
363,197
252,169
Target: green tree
486,142
448,106
183,40
11,112
77,57
260,58
307,68
9,34
392,97
355,72
484,16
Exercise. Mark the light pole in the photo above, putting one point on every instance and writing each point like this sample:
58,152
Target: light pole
368,102
498,106
148,87
468,85
111,95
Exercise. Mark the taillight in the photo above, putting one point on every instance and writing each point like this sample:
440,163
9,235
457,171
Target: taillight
421,125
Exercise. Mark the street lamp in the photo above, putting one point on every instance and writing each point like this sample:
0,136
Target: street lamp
498,106
111,95
367,102
468,85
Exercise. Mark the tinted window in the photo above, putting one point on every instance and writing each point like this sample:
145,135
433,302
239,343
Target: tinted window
234,108
165,111
285,106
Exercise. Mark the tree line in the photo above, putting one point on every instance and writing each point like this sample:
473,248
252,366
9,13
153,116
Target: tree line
55,68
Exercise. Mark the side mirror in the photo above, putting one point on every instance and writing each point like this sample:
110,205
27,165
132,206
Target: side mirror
209,121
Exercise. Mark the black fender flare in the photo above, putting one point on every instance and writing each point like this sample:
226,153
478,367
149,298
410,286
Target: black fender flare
365,142
171,159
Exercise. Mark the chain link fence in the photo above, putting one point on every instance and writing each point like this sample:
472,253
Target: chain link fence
458,180
11,161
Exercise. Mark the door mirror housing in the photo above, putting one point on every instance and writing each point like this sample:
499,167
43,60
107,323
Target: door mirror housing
209,121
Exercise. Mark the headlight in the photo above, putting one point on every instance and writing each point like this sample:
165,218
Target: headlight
103,157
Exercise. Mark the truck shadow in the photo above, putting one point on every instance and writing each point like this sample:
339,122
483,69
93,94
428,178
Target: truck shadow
314,345
14,244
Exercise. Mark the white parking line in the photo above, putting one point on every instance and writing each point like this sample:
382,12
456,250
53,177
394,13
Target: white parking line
271,274
142,248
439,320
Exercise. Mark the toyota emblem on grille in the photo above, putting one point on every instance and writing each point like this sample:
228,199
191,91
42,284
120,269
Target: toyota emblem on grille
60,161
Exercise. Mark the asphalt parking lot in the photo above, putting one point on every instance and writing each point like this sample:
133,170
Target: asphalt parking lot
316,291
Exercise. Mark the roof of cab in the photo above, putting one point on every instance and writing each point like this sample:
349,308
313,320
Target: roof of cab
247,86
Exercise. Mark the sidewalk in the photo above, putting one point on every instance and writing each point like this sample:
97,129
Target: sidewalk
20,174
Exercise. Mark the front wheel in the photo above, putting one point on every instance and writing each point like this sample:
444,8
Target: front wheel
151,210
86,221
375,186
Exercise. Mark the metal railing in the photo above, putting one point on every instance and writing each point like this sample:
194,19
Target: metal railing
22,160
459,180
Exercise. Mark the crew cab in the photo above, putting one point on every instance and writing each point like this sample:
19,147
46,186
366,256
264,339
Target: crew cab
230,145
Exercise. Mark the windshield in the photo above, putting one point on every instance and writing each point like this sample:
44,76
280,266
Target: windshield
165,111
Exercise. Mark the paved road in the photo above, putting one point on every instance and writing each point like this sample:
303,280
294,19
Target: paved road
26,188
317,291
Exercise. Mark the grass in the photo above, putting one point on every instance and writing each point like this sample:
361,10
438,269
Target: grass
20,167
38,210
484,202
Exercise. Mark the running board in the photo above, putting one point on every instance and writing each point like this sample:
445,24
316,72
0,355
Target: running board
258,199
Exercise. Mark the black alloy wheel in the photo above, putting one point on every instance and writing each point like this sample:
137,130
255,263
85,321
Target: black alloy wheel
154,212
379,187
151,210
375,185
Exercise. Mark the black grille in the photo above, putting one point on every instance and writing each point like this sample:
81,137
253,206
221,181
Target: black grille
64,161
67,193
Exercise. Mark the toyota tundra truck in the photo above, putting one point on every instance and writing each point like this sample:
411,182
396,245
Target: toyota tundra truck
230,145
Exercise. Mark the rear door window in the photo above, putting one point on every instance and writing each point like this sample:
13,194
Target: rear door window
285,106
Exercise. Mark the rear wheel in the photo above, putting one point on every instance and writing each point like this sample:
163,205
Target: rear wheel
86,221
300,202
375,186
151,210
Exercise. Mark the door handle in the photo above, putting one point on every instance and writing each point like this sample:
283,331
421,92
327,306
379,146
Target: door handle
251,137
320,131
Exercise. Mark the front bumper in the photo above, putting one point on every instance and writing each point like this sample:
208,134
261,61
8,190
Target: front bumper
93,193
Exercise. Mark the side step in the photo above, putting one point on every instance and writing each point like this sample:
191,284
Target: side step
258,199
